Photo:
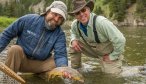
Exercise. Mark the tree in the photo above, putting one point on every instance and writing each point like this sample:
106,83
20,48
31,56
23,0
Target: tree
140,9
117,8
1,9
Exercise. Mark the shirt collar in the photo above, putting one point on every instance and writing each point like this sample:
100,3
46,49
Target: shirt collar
90,22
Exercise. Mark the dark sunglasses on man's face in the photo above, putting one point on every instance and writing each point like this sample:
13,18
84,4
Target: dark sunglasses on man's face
82,10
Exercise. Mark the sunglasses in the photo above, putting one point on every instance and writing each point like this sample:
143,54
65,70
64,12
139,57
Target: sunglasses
82,10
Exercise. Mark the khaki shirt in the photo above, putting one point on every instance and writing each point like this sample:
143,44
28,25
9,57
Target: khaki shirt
107,32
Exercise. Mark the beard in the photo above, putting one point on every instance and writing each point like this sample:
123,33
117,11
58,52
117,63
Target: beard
51,24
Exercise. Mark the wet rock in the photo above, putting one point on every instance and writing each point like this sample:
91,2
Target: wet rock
143,70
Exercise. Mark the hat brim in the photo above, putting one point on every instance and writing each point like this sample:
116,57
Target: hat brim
58,11
55,10
89,4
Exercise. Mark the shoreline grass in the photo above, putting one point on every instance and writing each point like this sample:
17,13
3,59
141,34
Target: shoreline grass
5,22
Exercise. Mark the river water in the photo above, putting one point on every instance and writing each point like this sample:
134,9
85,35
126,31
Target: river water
135,51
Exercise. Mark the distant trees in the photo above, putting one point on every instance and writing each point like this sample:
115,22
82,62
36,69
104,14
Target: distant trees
118,9
114,9
17,8
141,9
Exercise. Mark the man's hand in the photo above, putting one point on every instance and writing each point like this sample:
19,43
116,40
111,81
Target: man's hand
76,45
66,74
107,59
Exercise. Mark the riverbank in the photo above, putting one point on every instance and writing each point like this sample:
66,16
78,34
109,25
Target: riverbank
6,21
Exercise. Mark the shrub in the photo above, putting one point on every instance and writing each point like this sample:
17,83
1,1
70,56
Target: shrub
6,21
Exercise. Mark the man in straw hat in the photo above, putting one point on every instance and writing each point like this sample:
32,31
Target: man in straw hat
38,37
96,37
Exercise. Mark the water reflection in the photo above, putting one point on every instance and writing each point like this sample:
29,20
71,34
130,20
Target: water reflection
135,45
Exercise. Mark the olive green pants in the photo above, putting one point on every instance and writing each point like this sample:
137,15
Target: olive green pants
97,52
18,62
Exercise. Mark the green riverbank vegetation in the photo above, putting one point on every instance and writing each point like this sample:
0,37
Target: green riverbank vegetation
5,22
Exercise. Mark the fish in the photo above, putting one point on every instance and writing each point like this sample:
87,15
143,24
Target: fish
57,75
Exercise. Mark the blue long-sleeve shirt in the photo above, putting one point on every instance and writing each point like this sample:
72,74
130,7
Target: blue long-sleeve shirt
36,40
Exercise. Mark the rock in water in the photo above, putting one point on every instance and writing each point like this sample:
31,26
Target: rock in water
56,76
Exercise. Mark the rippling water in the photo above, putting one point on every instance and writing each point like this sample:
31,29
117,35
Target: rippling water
135,50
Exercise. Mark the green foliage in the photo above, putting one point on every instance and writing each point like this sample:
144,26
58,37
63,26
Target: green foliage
98,10
140,9
129,3
105,2
114,9
6,21
27,3
1,9
17,8
48,2
117,8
